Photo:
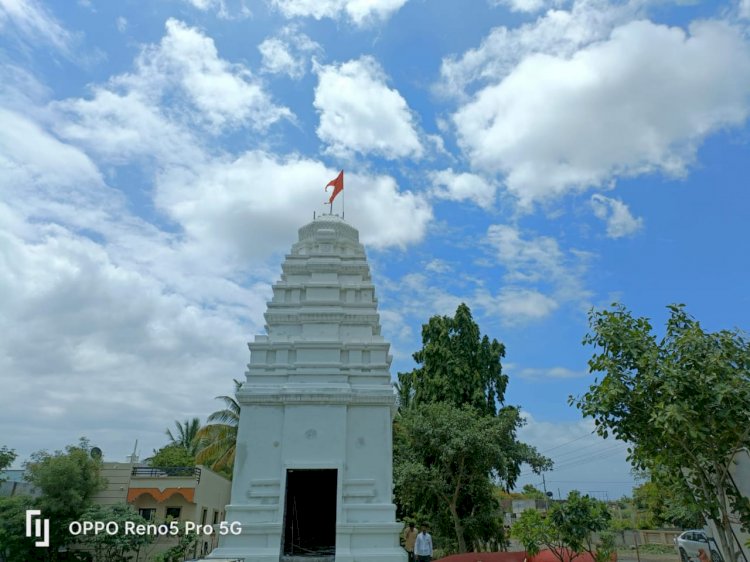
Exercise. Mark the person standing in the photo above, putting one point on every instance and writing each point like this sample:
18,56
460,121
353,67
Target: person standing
423,545
410,537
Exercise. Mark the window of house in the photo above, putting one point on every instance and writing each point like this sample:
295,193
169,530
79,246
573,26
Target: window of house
216,517
148,513
203,517
173,512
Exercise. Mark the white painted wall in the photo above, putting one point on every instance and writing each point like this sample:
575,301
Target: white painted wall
318,395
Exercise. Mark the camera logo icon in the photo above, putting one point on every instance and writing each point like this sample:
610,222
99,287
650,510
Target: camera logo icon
41,527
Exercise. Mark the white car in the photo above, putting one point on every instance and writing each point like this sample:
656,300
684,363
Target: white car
689,542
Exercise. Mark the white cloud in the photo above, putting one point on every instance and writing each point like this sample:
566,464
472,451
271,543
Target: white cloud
288,53
744,9
35,23
360,12
620,222
130,115
260,197
557,32
528,6
120,126
540,274
621,107
220,7
30,156
106,344
538,373
463,186
526,260
122,24
516,305
360,113
104,317
204,4
226,93
438,266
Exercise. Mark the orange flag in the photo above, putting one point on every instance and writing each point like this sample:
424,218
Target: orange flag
338,186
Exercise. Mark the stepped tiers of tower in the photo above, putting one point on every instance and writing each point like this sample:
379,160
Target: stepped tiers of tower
313,468
322,323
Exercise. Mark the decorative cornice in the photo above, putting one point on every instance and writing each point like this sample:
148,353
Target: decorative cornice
249,395
324,317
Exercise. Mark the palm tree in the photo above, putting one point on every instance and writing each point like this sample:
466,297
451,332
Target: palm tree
186,435
218,438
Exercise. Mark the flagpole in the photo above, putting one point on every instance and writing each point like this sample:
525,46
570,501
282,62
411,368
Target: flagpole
343,204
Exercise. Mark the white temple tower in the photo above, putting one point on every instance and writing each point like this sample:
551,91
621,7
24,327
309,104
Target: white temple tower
313,469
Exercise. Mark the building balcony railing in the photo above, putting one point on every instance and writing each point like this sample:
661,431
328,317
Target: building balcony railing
170,471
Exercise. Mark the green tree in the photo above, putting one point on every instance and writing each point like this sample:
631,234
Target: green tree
457,366
171,456
682,402
218,438
533,493
7,456
178,552
532,530
660,504
14,545
186,435
453,439
444,459
67,481
568,529
120,547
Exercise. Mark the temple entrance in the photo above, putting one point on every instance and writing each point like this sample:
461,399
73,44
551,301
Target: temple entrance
310,514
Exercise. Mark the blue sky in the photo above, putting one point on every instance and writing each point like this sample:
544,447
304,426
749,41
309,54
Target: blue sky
533,158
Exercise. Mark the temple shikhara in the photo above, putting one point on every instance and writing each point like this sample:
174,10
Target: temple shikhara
313,470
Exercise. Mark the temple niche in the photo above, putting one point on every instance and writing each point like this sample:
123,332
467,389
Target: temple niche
313,470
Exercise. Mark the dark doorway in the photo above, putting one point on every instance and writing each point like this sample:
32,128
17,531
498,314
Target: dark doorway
310,513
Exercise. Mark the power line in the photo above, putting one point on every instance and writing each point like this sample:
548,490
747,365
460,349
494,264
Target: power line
567,443
580,459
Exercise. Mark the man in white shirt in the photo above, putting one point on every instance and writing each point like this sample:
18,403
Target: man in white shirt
423,545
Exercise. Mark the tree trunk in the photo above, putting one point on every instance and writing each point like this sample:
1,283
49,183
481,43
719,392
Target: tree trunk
724,527
459,528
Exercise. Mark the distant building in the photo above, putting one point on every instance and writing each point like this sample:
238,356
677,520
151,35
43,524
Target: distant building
15,485
193,493
514,508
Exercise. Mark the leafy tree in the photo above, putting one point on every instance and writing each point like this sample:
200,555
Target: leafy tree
7,456
14,545
681,402
186,435
452,443
444,458
663,505
119,547
178,552
533,493
568,529
218,439
457,366
532,529
173,455
67,482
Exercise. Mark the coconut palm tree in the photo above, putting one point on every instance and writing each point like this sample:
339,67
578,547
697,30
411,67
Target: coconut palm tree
218,438
186,435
